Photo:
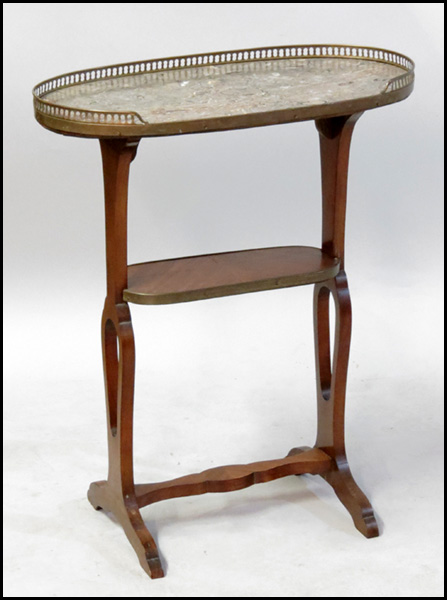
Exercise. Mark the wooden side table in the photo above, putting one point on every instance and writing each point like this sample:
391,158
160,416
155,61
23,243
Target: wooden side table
120,104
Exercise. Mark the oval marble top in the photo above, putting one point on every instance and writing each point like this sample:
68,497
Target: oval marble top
213,95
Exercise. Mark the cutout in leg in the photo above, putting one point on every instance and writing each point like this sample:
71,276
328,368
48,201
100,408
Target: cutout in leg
323,342
111,362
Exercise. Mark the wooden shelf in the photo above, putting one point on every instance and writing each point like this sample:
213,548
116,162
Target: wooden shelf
228,273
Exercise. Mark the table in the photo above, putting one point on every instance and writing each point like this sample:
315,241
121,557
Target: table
121,104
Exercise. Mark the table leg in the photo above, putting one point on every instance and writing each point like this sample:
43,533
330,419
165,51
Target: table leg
117,494
335,139
331,393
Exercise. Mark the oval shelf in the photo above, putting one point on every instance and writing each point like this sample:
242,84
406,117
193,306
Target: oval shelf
226,274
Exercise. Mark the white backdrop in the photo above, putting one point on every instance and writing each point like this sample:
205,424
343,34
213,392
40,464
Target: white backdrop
229,380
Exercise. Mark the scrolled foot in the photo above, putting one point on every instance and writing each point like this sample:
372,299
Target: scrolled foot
348,492
152,566
354,500
97,494
126,512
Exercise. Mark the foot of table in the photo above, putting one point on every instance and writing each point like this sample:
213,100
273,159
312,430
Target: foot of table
125,510
348,492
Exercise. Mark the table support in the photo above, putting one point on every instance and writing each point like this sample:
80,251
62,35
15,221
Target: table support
331,393
335,138
119,494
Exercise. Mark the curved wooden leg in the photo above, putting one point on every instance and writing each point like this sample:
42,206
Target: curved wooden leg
117,494
331,392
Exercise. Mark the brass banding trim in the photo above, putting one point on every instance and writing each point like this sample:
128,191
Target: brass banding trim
104,123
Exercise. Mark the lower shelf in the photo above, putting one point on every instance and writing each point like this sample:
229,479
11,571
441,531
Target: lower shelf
227,273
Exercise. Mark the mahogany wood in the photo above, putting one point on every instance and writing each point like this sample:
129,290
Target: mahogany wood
197,278
117,495
335,140
234,477
335,136
227,273
331,393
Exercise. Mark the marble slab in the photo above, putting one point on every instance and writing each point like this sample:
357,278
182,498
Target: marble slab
215,91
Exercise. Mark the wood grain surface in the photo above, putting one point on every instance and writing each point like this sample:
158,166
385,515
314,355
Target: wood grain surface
227,273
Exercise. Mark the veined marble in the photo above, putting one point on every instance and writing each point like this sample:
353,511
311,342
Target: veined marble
214,91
